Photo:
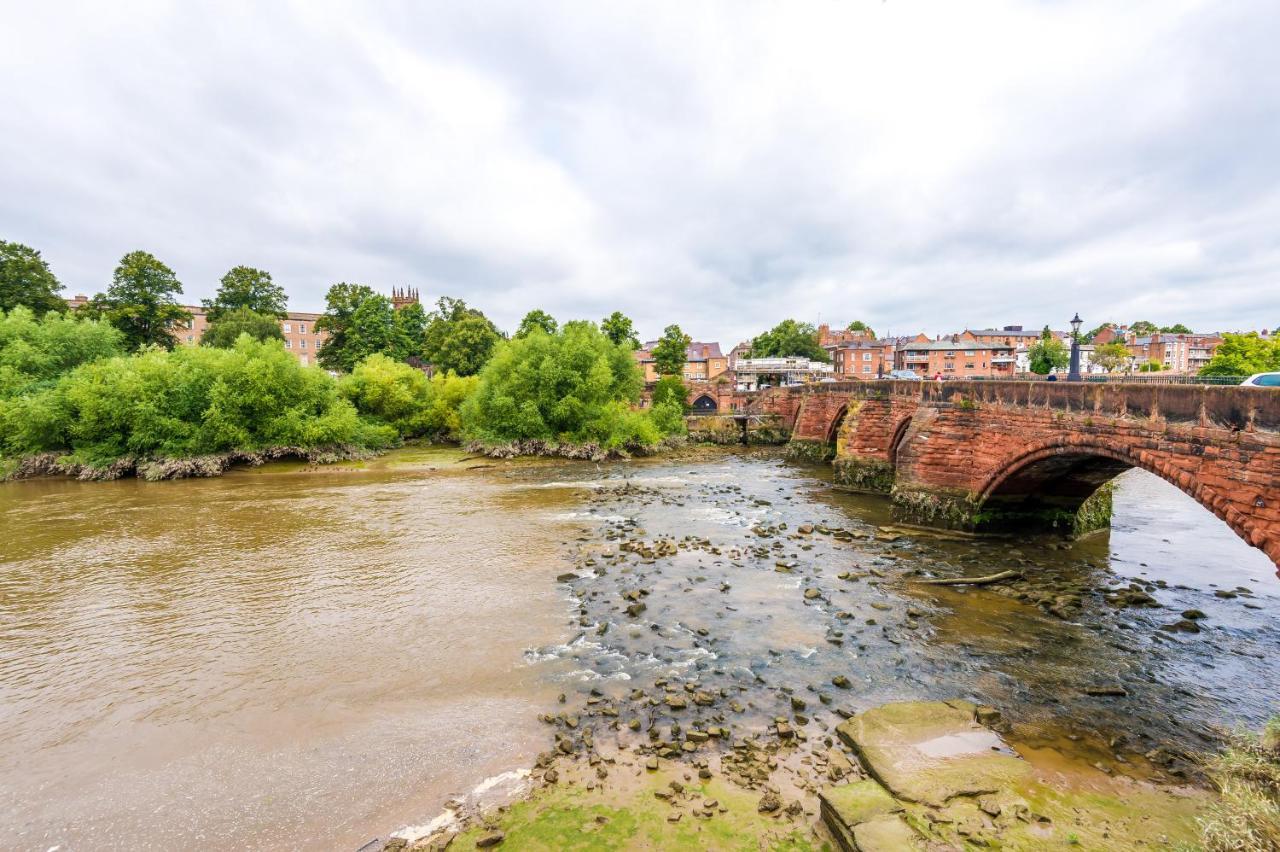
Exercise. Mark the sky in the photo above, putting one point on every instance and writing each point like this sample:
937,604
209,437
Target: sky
919,165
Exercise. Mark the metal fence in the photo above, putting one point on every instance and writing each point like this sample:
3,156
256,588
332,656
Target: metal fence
1121,378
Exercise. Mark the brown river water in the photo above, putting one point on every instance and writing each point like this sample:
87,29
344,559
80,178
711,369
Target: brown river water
305,658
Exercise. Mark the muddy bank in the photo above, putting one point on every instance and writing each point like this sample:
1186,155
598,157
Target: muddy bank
158,469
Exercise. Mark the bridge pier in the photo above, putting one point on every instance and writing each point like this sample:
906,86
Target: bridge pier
1065,515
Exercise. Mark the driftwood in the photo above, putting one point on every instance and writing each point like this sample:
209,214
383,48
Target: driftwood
973,581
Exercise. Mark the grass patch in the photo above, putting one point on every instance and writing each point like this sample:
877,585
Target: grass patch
1247,816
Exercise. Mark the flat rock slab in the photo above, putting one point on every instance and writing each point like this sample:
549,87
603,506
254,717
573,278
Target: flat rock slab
889,833
863,817
932,751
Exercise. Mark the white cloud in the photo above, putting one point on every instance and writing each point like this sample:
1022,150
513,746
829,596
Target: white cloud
922,165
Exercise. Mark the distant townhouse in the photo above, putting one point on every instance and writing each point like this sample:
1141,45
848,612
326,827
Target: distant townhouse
865,358
1178,353
703,362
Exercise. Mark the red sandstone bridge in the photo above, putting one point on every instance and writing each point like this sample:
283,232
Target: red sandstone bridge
986,456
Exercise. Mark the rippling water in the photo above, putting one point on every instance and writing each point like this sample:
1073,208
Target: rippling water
305,658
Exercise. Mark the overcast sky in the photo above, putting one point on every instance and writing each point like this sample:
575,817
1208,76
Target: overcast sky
924,166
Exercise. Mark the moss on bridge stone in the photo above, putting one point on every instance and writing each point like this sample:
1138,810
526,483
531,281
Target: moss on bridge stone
714,429
1095,513
935,507
869,475
809,451
943,509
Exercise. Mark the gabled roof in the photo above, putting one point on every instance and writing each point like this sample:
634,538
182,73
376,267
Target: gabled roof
696,351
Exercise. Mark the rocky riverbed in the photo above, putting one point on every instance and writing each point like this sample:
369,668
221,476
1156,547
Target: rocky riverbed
735,621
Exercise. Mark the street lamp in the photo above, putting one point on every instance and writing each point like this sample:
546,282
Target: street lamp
1073,372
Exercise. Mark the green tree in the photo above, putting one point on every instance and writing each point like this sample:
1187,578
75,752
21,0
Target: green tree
341,303
671,352
34,351
859,325
574,388
250,289
1243,355
234,322
539,319
373,330
618,328
1142,328
789,338
671,389
25,279
398,395
1048,353
140,301
1110,356
411,321
1177,328
459,339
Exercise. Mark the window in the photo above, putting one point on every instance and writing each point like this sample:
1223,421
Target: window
1270,380
302,328
288,329
302,344
866,368
866,356
968,366
288,344
190,339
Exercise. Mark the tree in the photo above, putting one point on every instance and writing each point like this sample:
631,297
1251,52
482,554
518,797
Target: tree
140,301
1048,353
1177,328
25,279
671,352
538,319
411,323
341,303
248,288
859,325
572,389
1151,366
391,392
618,329
230,324
1142,328
1243,355
789,339
671,389
1111,356
457,338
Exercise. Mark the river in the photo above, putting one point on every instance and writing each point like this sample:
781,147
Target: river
296,657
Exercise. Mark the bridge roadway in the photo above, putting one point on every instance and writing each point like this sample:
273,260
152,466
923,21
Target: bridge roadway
994,455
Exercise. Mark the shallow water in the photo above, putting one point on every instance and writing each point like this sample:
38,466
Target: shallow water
308,658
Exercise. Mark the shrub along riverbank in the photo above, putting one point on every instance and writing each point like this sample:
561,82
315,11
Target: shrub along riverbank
71,402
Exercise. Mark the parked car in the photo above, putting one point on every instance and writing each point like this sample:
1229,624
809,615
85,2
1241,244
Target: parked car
1263,380
909,375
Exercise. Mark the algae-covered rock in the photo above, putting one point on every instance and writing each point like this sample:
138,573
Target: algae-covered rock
932,751
888,833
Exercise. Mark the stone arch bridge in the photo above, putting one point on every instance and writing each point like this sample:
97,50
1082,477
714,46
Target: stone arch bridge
991,456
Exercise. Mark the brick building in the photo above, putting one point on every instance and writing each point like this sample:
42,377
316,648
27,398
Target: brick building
703,362
864,358
953,357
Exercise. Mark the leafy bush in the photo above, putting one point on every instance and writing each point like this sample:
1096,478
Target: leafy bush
575,387
671,389
402,397
189,402
34,352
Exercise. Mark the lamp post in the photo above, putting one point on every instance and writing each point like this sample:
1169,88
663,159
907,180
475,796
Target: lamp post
1073,372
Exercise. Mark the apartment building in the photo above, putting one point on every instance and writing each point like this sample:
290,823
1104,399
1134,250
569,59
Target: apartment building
703,362
863,358
954,357
1179,353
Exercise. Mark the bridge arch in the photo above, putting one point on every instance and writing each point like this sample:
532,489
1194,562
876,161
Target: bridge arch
1053,483
705,404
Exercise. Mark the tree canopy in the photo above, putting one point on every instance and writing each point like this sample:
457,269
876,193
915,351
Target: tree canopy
539,319
859,325
1176,328
618,328
1048,353
458,339
574,387
232,323
1243,355
250,289
1142,328
789,338
671,389
670,353
402,397
25,279
34,351
1110,356
140,301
